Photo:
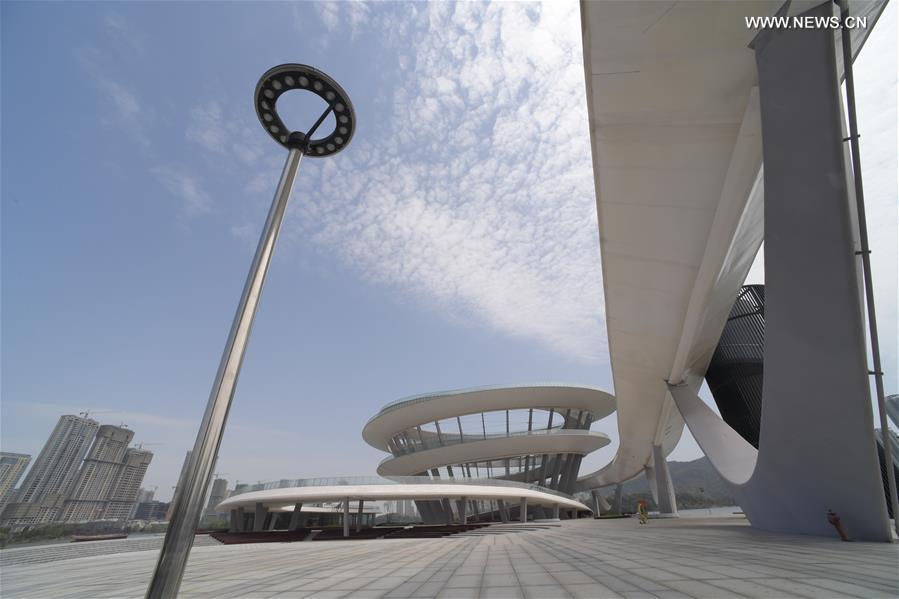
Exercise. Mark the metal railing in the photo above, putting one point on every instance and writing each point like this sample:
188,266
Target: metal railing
454,439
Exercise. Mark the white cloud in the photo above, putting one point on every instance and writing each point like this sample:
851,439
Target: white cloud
472,190
478,193
194,200
123,33
119,105
351,14
120,108
215,131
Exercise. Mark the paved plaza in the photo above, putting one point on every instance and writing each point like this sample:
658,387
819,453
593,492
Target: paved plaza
688,557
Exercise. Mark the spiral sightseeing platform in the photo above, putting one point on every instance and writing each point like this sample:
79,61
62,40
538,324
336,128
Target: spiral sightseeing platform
535,434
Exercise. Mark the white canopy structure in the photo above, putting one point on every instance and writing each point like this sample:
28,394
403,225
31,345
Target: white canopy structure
285,499
676,120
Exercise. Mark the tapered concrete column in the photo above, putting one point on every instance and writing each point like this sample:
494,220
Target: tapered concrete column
296,518
666,500
618,499
346,517
241,519
554,483
523,516
448,511
463,511
259,517
274,521
556,511
650,474
359,516
596,510
503,514
816,450
235,521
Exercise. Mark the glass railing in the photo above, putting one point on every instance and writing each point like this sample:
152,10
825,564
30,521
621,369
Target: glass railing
450,439
336,481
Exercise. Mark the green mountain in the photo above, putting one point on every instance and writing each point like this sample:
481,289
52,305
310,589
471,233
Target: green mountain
696,485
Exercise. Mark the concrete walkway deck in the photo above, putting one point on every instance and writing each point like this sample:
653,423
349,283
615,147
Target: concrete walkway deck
695,557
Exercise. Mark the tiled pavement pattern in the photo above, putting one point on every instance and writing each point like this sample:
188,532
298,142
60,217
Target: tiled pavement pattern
41,554
584,558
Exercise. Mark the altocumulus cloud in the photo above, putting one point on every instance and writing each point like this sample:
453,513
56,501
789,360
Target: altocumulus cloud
472,188
481,194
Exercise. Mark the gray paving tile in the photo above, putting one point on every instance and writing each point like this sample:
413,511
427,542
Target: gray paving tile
464,581
500,580
670,560
591,591
546,592
502,593
700,589
572,577
459,593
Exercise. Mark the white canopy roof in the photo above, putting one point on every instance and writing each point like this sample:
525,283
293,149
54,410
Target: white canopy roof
277,499
676,140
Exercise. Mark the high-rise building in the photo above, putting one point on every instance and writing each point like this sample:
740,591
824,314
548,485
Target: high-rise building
151,510
145,495
50,479
123,497
181,476
12,465
218,494
98,475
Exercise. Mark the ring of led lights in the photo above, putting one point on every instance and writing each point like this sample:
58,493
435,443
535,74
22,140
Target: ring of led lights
286,77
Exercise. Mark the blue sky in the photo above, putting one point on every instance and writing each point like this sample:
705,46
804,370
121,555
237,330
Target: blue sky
454,243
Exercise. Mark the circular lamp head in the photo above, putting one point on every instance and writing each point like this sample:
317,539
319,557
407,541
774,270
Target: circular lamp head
286,77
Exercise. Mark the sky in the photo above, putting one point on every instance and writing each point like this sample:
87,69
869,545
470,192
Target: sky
454,243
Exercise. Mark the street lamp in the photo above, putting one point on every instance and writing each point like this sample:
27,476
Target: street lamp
188,500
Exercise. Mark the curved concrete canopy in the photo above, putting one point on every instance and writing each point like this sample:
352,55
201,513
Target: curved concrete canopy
676,151
420,409
278,499
553,442
676,139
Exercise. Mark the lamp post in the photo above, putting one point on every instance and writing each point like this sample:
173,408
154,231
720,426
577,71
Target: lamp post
188,501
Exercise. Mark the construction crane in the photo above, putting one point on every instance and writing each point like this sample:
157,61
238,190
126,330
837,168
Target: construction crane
141,445
88,412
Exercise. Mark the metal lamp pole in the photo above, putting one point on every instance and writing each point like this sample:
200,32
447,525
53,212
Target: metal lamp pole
188,500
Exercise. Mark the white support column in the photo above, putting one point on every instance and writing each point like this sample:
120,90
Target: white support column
259,517
463,511
596,507
235,521
666,500
359,516
650,473
556,512
618,491
523,516
274,521
346,517
503,514
448,511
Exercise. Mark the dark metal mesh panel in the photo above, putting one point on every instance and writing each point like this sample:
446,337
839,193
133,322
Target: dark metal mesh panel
883,468
734,375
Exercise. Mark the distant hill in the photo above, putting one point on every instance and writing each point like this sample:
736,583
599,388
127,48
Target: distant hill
696,484
695,478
